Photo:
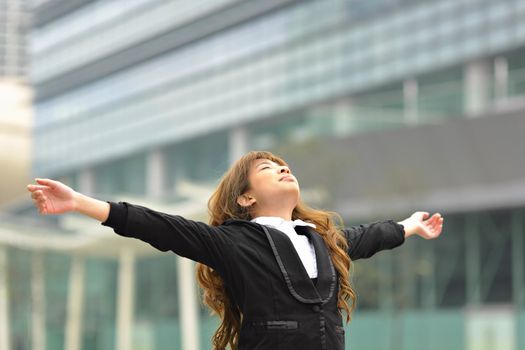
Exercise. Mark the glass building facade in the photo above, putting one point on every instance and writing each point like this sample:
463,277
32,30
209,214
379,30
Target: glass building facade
14,23
141,99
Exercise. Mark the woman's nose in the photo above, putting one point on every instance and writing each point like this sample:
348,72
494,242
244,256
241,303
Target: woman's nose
284,170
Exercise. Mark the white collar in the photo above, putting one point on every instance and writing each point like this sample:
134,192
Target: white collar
276,221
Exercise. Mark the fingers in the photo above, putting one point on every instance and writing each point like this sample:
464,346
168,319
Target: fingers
433,226
47,182
38,196
42,209
425,214
39,200
33,188
37,193
436,220
437,224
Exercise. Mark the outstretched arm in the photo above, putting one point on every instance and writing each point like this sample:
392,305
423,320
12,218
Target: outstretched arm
191,239
367,239
417,225
53,197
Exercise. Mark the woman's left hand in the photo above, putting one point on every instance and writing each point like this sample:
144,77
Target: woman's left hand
421,224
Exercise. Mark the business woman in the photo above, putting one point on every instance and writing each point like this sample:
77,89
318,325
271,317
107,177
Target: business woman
275,270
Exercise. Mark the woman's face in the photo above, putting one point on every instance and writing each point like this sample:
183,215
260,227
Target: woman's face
272,184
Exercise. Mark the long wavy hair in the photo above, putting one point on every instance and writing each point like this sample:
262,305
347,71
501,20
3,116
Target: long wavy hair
223,205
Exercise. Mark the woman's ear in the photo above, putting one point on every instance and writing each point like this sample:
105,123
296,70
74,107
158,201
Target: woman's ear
245,200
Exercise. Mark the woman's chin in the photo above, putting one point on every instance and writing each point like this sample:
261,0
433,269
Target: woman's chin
295,192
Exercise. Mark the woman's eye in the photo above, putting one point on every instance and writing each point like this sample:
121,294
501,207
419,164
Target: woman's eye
266,167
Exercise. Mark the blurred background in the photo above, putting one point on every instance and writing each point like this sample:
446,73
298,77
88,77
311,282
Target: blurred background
381,108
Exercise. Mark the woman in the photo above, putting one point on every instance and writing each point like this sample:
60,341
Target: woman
275,270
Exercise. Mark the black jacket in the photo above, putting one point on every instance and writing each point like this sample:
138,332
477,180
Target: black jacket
282,308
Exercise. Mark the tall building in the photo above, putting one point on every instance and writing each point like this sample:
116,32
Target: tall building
15,134
381,107
15,100
13,27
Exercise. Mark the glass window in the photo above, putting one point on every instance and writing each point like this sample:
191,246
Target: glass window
57,273
440,94
495,260
450,273
516,75
156,289
202,160
20,311
100,288
121,176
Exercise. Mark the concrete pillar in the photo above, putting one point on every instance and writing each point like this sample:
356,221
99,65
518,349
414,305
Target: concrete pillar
155,174
75,308
343,123
188,304
518,259
4,300
501,78
473,261
125,298
476,87
428,297
408,275
86,182
385,264
238,143
410,99
38,315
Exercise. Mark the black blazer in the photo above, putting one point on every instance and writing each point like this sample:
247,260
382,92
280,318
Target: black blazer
282,308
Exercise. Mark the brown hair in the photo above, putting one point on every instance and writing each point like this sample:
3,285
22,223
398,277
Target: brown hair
223,205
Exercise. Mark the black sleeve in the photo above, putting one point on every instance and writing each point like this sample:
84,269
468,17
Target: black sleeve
368,239
191,239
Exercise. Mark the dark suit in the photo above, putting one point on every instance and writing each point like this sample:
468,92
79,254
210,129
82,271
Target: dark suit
263,274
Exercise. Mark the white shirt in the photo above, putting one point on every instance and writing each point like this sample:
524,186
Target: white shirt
303,246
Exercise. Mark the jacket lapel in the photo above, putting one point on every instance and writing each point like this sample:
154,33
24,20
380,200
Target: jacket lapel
326,276
294,273
297,280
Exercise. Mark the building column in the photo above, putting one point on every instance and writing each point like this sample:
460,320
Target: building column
86,182
155,174
476,88
472,260
4,300
343,123
238,143
75,308
518,258
501,78
125,298
386,291
385,264
410,101
408,276
189,313
38,314
428,297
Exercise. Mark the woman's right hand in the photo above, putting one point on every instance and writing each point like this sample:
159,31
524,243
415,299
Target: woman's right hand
52,197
